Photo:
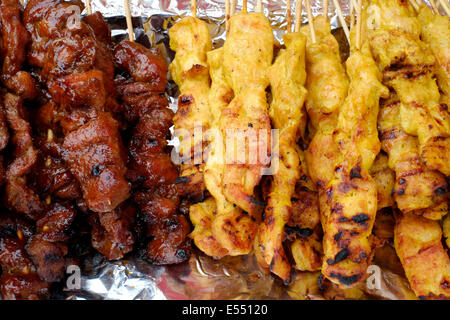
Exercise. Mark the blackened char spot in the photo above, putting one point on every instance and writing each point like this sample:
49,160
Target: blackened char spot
441,190
338,236
256,202
181,180
355,172
320,281
181,254
361,218
97,169
341,255
186,100
346,281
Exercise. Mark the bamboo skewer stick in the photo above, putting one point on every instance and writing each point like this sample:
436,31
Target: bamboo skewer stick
194,8
310,21
298,15
259,6
227,14
244,6
88,7
414,4
445,5
325,9
434,8
352,15
233,7
342,20
288,16
129,21
358,24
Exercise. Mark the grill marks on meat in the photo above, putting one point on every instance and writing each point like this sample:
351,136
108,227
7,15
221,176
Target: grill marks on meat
19,196
150,168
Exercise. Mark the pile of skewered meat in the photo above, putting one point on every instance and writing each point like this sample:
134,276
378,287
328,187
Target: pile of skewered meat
362,152
83,132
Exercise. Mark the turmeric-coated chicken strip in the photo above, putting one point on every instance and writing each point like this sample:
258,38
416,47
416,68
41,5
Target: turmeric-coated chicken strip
427,264
384,178
417,188
190,39
239,225
327,86
287,78
352,194
435,31
245,122
408,67
245,127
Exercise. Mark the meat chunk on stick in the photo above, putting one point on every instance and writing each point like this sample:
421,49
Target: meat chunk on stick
287,78
248,52
427,264
408,67
190,39
417,188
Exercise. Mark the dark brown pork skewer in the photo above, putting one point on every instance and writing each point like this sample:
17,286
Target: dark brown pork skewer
150,169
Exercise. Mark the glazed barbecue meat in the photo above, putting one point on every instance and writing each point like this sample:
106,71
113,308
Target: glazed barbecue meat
167,229
19,196
150,169
78,72
51,174
190,39
96,157
408,67
18,278
15,40
287,77
142,65
111,231
417,189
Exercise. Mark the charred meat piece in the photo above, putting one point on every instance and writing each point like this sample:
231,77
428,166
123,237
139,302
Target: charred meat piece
54,225
19,196
15,225
18,279
15,40
24,287
48,258
166,228
96,157
4,133
52,175
142,64
148,162
111,232
79,89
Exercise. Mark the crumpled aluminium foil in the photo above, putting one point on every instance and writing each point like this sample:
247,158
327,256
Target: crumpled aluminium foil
202,277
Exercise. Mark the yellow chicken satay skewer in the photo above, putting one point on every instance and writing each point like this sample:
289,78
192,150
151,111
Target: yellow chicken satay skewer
287,78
